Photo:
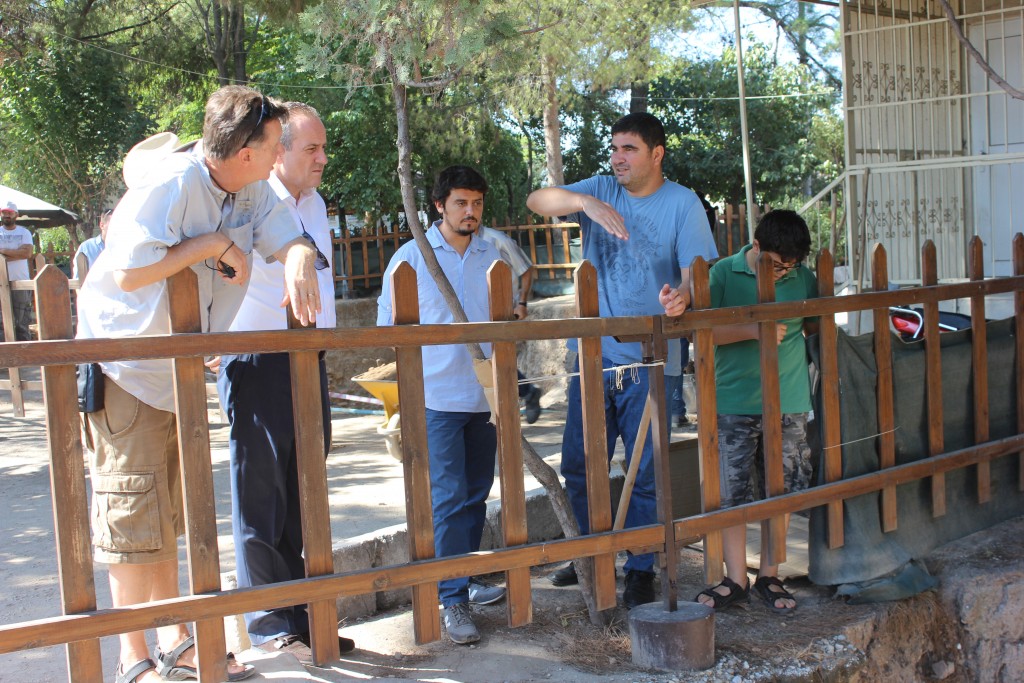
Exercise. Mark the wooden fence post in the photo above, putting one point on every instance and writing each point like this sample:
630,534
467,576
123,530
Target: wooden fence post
415,457
933,376
884,387
1018,301
67,475
196,472
707,420
510,452
773,531
9,333
314,510
979,364
831,430
657,349
595,436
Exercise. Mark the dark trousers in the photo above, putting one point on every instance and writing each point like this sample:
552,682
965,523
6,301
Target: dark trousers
255,390
462,449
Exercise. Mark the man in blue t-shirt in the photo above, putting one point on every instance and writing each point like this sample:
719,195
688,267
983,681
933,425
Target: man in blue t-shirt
641,232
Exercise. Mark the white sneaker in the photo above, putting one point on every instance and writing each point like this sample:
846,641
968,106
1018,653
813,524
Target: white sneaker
482,593
458,621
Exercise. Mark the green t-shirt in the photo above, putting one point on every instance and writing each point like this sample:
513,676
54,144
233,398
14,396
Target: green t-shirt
738,365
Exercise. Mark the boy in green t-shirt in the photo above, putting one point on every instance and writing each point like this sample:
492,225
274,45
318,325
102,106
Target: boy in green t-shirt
784,236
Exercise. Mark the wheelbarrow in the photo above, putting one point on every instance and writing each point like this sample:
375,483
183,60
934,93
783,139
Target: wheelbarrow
386,391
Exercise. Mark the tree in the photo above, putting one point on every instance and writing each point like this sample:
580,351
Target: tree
697,102
66,120
427,45
621,48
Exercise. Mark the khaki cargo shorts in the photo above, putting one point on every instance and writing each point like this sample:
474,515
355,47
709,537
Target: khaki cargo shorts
136,486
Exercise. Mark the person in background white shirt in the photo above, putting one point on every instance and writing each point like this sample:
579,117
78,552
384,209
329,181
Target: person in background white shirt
16,245
255,390
92,247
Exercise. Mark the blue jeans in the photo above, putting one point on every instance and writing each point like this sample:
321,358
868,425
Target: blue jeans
255,390
623,410
462,450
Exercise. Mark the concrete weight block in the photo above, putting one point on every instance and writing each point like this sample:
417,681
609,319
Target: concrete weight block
683,640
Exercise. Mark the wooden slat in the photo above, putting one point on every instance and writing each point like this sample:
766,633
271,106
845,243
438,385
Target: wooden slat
60,629
9,335
510,453
67,475
415,456
773,531
311,463
1018,326
595,438
831,432
933,376
653,350
196,473
847,488
707,421
163,346
884,387
979,364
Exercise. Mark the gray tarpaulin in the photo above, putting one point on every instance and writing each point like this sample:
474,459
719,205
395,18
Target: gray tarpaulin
869,553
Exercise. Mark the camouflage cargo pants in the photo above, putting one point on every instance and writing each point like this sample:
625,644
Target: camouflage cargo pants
740,456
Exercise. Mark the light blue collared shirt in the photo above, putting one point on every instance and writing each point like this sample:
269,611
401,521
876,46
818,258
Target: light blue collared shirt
176,201
449,382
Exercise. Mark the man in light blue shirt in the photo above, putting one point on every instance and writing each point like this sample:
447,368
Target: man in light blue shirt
460,439
92,247
641,232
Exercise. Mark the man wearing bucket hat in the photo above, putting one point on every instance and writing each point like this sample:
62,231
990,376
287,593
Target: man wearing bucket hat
207,210
16,245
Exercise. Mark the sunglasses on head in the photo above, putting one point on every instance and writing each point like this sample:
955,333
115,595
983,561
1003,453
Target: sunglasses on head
264,110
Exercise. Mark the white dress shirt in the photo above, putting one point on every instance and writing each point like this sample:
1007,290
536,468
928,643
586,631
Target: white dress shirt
261,309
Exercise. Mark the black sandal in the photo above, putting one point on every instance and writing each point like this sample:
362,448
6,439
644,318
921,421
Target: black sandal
763,588
736,594
169,669
134,671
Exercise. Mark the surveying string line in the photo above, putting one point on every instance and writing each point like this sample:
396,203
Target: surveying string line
620,370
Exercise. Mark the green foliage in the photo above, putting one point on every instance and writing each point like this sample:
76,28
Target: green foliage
699,105
66,119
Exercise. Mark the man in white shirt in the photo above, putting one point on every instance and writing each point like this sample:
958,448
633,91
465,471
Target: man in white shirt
16,245
206,210
255,390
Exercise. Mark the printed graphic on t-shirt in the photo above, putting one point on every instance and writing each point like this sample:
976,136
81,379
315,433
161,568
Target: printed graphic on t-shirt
630,264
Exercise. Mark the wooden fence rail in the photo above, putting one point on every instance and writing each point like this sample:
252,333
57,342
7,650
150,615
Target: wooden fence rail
82,623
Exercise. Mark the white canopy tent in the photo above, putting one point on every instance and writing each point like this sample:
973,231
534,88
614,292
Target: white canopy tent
34,212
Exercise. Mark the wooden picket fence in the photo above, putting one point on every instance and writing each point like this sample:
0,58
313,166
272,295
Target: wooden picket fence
82,624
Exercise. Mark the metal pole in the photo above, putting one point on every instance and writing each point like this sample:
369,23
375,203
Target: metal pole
748,175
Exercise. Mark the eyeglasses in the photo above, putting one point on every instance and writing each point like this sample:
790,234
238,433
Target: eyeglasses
783,268
264,110
321,260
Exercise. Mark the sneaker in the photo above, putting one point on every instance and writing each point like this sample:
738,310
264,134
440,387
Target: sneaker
531,404
566,576
458,621
639,589
482,593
